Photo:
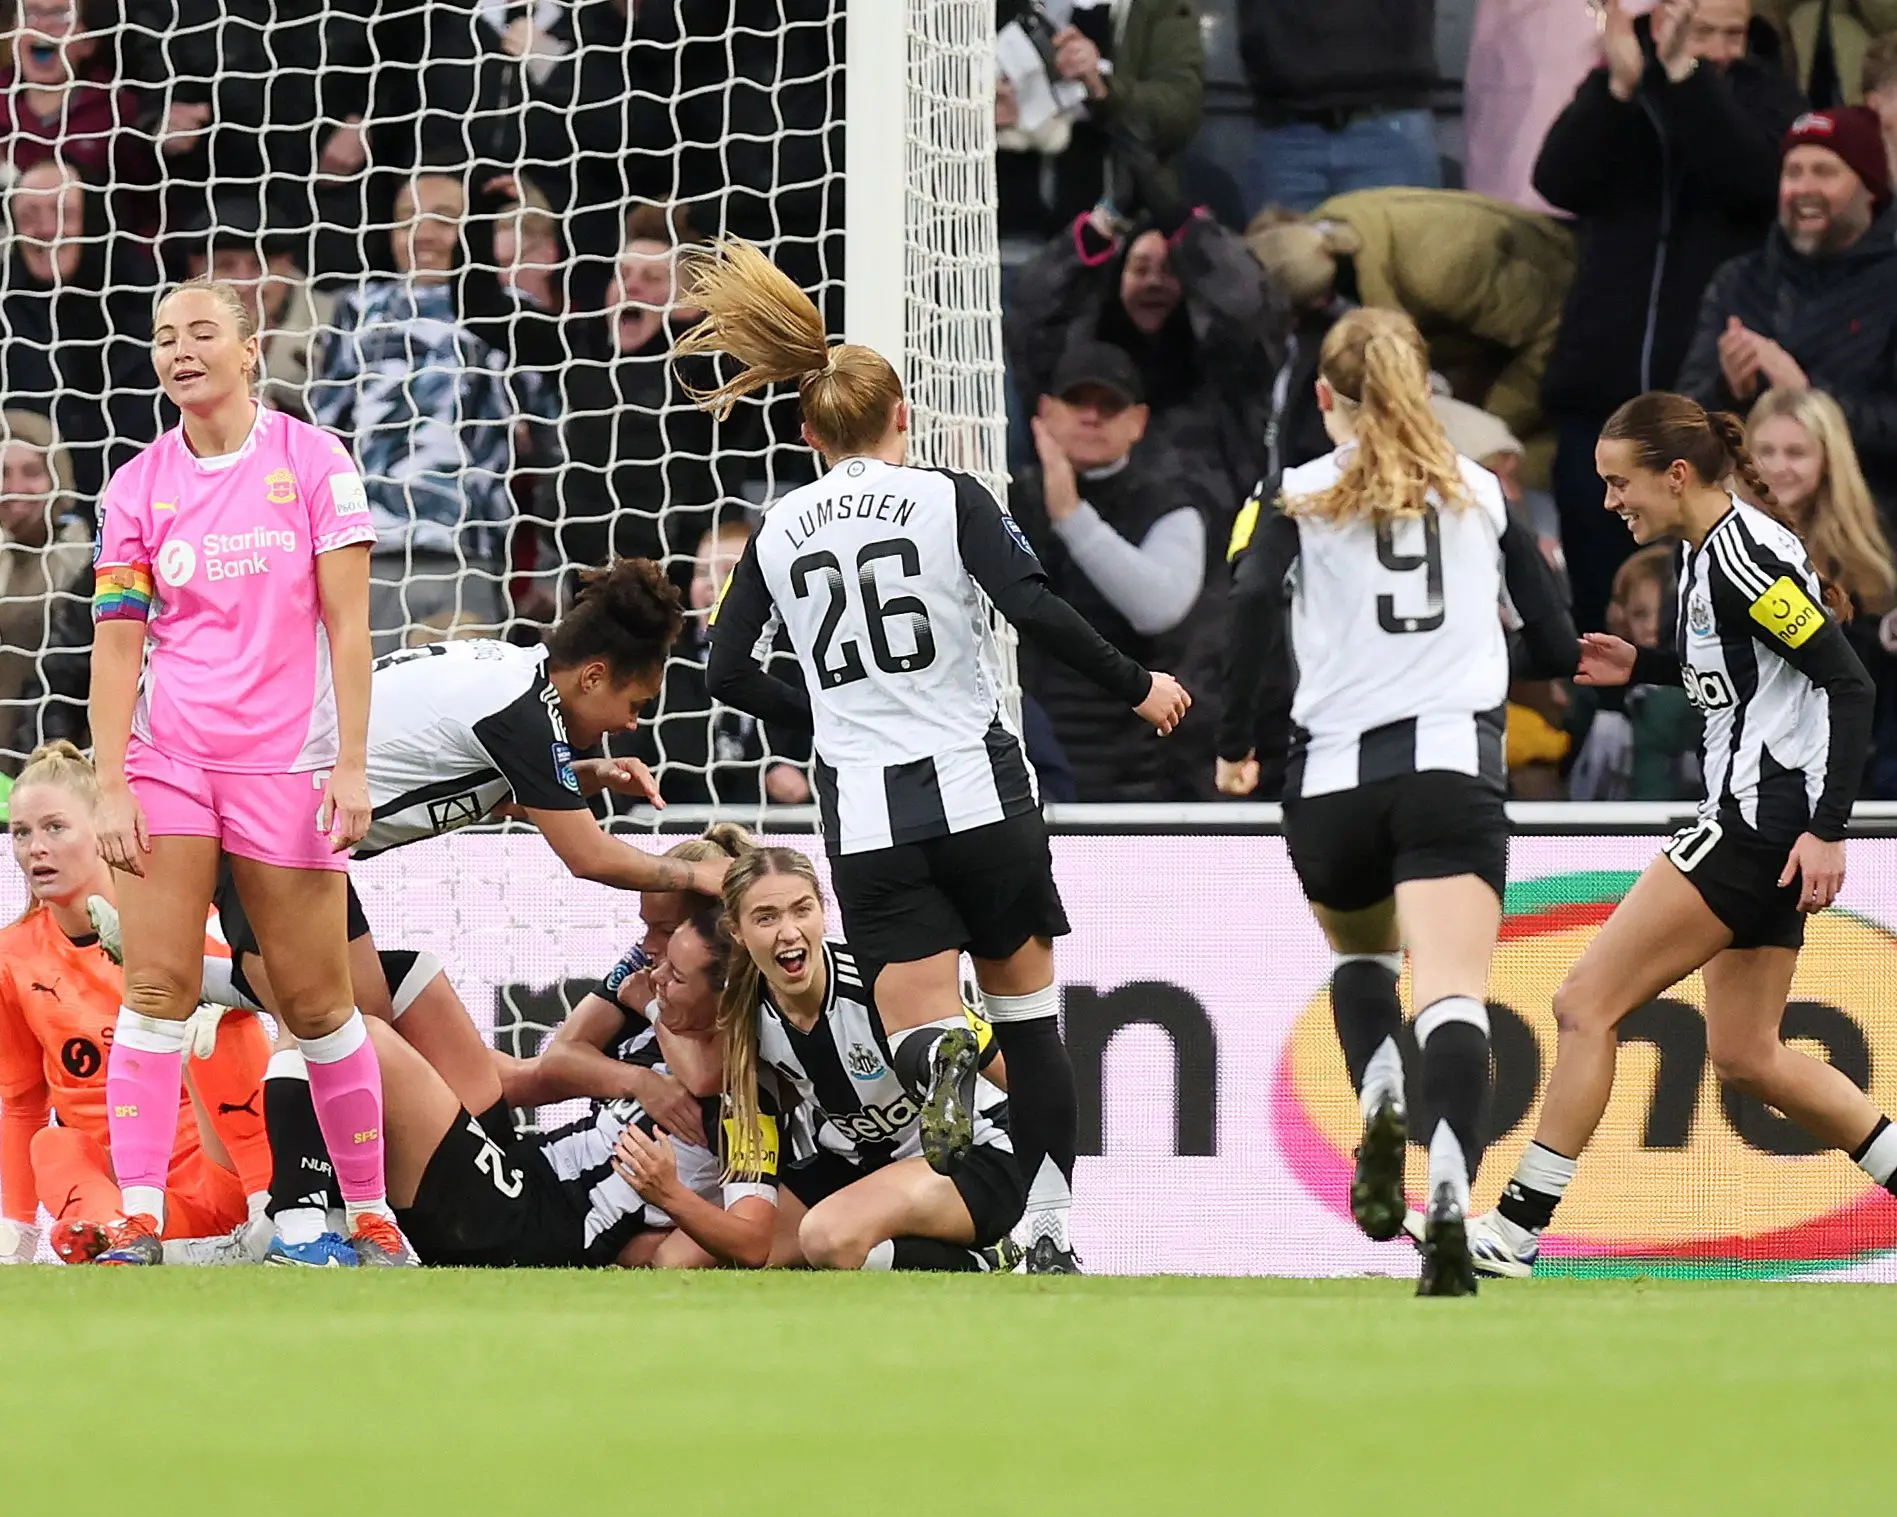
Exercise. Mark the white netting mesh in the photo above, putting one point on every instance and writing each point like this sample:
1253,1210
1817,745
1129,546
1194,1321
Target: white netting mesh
457,218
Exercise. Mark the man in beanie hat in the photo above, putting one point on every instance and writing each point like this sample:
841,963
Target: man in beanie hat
1816,307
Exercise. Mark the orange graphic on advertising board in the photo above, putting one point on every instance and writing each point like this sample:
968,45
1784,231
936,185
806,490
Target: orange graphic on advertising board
1683,1176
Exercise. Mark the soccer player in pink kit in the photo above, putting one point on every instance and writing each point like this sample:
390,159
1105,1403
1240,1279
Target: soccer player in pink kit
230,708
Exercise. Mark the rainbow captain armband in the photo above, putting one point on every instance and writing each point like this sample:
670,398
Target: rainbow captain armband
1787,613
121,593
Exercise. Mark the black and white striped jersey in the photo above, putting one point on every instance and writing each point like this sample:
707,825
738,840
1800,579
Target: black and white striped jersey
877,573
873,572
457,728
837,1077
1786,702
581,1156
1398,653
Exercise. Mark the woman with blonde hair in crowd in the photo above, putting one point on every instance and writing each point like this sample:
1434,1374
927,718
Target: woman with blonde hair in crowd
1383,565
1803,448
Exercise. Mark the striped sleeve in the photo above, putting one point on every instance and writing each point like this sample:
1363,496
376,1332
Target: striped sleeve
1778,602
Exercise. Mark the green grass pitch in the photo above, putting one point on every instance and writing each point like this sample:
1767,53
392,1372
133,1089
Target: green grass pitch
255,1391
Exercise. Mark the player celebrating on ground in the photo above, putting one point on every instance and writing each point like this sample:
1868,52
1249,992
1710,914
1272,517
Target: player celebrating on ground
59,1003
1393,553
1788,724
929,808
582,1059
802,1032
564,1198
230,709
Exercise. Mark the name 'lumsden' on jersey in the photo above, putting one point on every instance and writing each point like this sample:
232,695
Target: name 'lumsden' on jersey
877,573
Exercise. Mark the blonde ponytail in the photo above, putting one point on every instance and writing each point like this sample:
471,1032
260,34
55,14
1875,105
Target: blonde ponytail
1400,460
755,313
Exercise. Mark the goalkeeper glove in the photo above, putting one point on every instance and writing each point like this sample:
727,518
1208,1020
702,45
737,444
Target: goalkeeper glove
200,1029
105,922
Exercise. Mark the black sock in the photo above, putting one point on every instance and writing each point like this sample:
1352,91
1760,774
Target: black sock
1043,1112
300,1171
932,1253
1456,1085
1365,1007
911,1049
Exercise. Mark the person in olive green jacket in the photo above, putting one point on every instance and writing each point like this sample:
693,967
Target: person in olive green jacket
1484,280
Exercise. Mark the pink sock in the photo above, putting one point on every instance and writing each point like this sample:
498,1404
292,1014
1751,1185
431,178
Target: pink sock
143,1081
346,1089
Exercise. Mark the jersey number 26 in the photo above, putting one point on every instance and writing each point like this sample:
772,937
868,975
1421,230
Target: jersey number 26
848,666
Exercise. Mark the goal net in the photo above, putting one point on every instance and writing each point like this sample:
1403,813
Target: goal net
458,227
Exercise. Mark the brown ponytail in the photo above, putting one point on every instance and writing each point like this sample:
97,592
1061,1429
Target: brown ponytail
756,313
1401,461
738,1007
1732,436
1663,427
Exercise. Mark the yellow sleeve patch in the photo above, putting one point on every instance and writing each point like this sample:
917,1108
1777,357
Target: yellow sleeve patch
719,604
1243,528
1787,613
758,1157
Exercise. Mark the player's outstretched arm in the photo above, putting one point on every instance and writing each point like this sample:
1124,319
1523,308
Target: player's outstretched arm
590,853
996,554
342,583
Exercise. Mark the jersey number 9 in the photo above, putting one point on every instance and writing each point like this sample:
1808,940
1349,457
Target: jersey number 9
877,613
1430,561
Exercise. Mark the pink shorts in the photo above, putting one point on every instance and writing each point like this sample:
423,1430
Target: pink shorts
267,817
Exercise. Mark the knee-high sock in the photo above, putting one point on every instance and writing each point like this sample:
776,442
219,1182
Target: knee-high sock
923,1253
1454,1035
346,1089
302,1181
144,1076
73,1176
1043,1111
1368,1016
230,1084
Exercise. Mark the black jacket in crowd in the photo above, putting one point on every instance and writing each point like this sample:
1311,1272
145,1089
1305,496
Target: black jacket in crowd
644,465
1113,754
1308,56
703,753
1836,315
80,353
1664,189
1214,358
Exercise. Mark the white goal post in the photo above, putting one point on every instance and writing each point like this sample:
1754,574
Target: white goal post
922,268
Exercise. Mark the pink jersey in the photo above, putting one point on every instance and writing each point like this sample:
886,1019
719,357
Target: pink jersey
218,558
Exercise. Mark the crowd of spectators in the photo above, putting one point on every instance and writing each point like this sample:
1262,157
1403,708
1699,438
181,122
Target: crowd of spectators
458,224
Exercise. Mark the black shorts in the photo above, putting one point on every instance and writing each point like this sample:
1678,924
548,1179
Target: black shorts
1736,873
989,1181
1352,848
480,1206
987,891
235,925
